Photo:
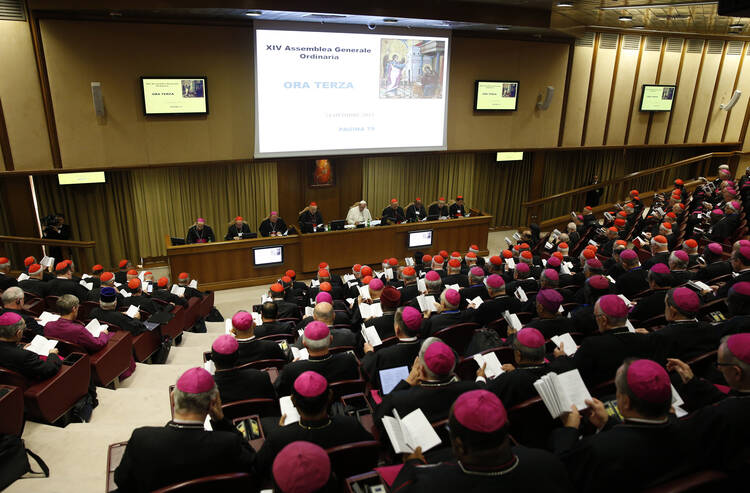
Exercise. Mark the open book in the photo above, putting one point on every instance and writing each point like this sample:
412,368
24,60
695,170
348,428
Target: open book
22,277
493,368
87,285
560,392
477,302
287,407
521,295
370,335
390,377
300,354
421,286
364,292
370,310
193,284
569,345
95,328
410,432
47,261
510,263
178,290
309,311
455,287
210,367
47,317
41,345
132,311
426,303
513,321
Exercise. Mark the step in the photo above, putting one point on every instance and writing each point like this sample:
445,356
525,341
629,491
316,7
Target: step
155,376
186,355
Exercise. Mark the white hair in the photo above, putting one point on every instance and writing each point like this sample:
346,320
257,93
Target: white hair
12,294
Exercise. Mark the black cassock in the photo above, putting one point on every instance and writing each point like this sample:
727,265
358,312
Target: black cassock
415,213
436,210
531,470
311,220
132,325
205,235
237,384
393,215
267,227
457,210
255,350
400,354
514,387
334,367
235,231
433,398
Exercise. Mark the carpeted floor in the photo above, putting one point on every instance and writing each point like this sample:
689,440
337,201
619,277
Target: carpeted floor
77,454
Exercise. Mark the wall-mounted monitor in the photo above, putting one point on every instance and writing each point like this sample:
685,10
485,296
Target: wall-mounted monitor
272,255
509,156
81,178
657,97
174,95
495,95
420,238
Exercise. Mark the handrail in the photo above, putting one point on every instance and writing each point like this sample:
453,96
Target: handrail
637,174
25,240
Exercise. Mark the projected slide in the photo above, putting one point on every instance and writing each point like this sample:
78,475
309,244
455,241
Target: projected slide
657,98
343,93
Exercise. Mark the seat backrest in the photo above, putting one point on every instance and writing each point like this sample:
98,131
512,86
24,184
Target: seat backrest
264,363
354,458
708,480
248,407
12,378
458,336
347,387
531,423
235,481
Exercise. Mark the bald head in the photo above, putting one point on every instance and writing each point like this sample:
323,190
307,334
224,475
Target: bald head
323,312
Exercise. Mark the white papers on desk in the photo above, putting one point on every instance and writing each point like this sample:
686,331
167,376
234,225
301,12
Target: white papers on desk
210,367
309,311
409,261
376,222
193,284
47,261
391,377
521,295
47,317
371,336
178,290
452,286
95,327
426,303
87,285
410,432
513,321
493,368
125,294
364,292
132,311
349,278
421,286
300,354
569,345
477,302
560,392
288,409
388,273
41,345
23,277
370,310
510,263
228,325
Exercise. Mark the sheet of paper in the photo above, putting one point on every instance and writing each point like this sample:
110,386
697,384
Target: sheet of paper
292,415
418,431
544,262
521,295
569,344
228,325
508,242
148,287
348,278
701,286
513,321
409,261
87,285
257,319
572,387
629,326
23,276
421,286
389,274
94,327
47,317
391,377
210,367
516,236
125,294
265,298
453,286
41,345
207,424
178,290
300,354
510,263
564,269
477,302
132,311
350,302
309,311
314,283
396,435
370,334
47,261
193,284
493,368
611,280
364,292
676,399
623,298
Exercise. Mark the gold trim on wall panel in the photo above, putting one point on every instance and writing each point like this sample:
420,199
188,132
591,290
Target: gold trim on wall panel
566,92
695,92
5,142
612,88
634,90
734,88
677,83
656,81
713,94
588,93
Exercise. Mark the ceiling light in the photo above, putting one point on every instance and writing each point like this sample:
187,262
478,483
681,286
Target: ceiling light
626,18
390,20
502,28
253,13
564,4
658,5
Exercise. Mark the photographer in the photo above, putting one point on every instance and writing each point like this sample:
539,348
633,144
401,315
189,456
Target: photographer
56,229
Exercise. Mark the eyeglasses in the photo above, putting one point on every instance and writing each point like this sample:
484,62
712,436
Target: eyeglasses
717,364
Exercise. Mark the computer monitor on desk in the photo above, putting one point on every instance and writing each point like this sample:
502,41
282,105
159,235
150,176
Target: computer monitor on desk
177,241
338,225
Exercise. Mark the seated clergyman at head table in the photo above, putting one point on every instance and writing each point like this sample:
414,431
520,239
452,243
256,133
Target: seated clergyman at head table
200,233
237,229
311,219
359,214
272,226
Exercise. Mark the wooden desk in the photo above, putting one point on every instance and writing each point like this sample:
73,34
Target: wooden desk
229,264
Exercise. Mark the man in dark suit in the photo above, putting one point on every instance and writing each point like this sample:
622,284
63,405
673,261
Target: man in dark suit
439,209
633,281
334,367
297,289
285,309
237,384
35,284
270,326
121,276
64,283
593,196
312,398
406,325
738,302
599,356
182,450
6,280
457,209
107,312
252,349
237,230
448,315
476,287
183,281
660,280
678,264
416,211
614,456
393,214
13,299
14,357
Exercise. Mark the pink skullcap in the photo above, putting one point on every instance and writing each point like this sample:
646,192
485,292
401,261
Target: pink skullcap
613,306
553,262
682,255
316,331
439,358
200,220
718,212
660,269
432,276
195,381
324,297
412,318
495,281
648,381
734,205
551,274
10,318
376,285
684,299
739,346
628,255
598,282
477,272
744,243
242,321
274,213
741,288
310,384
225,344
530,337
594,263
522,267
452,297
480,410
301,467
715,248
549,299
745,252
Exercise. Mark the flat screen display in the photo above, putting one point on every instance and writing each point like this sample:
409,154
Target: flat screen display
174,95
496,95
657,98
328,93
420,238
510,156
268,255
81,178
